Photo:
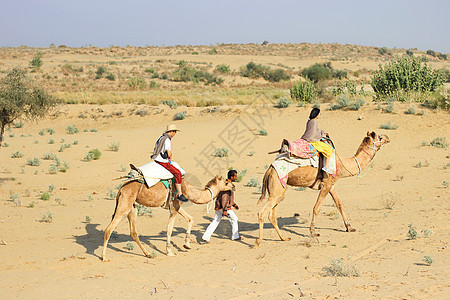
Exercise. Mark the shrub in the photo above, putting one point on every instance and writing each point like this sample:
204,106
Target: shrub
428,260
17,154
170,103
149,70
410,111
100,71
18,124
388,109
412,233
221,152
253,182
47,218
180,116
33,162
143,210
404,76
223,68
318,72
45,196
439,142
187,73
383,51
341,269
263,132
344,102
304,91
72,129
389,126
240,175
153,84
94,154
50,131
114,146
110,76
137,83
283,103
36,62
252,70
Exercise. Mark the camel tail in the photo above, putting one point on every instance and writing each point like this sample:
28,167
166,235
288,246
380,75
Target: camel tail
264,186
117,203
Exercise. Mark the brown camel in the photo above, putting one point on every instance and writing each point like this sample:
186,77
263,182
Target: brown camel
156,196
310,177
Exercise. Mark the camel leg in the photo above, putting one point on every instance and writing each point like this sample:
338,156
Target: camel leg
173,214
270,204
190,220
323,192
340,207
132,217
274,221
120,212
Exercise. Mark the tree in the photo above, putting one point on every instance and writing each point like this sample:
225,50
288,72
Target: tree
19,99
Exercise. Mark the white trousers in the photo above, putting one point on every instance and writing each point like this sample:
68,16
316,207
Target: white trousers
215,222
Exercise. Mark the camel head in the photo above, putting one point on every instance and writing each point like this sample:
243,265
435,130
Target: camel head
375,140
221,183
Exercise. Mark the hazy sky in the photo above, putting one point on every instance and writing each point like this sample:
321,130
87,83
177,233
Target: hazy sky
390,23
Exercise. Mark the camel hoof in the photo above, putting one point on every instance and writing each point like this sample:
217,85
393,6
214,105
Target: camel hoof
257,244
286,239
187,247
104,259
314,234
351,229
170,254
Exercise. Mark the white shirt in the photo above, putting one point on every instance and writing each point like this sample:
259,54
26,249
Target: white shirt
167,146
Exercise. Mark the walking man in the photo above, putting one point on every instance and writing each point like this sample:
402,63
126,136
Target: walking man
224,204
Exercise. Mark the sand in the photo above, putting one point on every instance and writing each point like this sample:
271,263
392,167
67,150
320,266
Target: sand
61,259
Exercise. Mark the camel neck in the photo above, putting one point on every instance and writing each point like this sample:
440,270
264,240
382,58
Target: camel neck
200,196
353,166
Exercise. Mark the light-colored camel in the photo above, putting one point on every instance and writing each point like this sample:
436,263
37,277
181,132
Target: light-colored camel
310,177
156,196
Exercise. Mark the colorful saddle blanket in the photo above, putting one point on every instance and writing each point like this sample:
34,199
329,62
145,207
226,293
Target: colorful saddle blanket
300,148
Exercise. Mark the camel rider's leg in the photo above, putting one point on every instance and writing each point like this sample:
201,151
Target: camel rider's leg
180,195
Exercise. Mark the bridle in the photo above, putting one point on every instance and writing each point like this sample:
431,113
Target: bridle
207,205
373,147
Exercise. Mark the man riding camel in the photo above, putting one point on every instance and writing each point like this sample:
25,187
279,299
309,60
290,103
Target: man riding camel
162,154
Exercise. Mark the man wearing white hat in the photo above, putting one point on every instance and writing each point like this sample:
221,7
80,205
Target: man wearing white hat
162,154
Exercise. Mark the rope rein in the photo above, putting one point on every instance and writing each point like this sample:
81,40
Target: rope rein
208,207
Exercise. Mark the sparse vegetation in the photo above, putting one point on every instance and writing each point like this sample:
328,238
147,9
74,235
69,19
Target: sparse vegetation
17,154
389,126
253,182
255,71
170,103
34,162
263,132
47,217
44,196
344,102
412,233
340,268
221,152
428,260
71,129
114,146
283,103
93,154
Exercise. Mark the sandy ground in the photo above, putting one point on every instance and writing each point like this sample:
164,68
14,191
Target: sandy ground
61,259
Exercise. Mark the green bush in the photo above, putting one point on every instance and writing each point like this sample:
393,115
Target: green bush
180,116
383,51
221,152
404,76
283,103
170,103
137,83
94,154
110,76
263,132
36,62
252,70
114,146
304,91
318,72
17,154
253,182
344,102
389,126
223,68
35,162
187,73
72,129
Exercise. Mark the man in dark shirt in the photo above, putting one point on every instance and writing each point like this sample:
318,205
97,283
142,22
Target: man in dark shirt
223,207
